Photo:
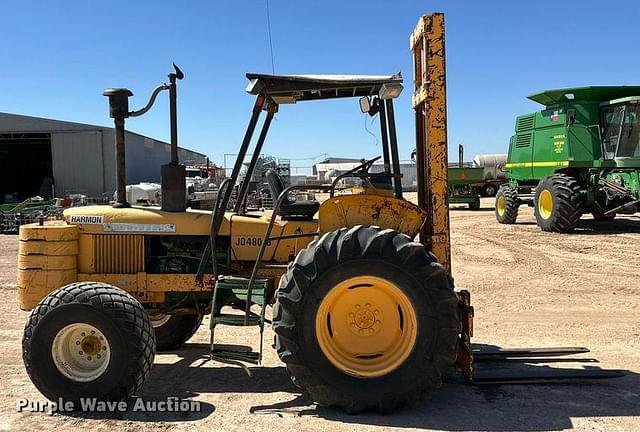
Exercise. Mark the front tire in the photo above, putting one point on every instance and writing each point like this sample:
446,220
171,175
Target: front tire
507,205
558,203
366,319
88,340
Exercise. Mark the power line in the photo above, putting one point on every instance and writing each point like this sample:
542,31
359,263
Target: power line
273,67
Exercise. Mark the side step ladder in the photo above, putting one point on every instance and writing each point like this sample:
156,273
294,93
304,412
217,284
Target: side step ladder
233,291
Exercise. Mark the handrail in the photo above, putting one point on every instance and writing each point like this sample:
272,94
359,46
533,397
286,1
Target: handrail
267,237
358,175
209,248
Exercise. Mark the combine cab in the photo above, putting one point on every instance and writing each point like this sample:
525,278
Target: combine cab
581,154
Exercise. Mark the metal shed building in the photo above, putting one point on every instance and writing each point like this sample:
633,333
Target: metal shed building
38,155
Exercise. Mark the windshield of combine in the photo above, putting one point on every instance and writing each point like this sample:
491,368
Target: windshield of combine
621,131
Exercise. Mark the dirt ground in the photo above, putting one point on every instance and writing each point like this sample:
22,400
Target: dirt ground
529,289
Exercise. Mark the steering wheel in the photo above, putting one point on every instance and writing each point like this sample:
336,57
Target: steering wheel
364,166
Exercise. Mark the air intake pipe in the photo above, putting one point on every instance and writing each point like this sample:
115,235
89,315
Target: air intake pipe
172,174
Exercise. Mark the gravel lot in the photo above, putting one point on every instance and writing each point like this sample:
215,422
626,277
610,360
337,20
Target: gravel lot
529,289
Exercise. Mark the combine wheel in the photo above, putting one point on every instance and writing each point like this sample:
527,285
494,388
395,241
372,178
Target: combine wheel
475,205
172,331
558,203
507,205
489,190
88,340
366,319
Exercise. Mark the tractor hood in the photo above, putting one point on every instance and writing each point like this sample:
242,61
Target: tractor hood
142,220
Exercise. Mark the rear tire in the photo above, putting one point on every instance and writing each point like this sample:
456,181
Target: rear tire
88,340
306,337
475,205
507,205
172,331
558,203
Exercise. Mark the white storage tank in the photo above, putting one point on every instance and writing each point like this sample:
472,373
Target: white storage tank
493,165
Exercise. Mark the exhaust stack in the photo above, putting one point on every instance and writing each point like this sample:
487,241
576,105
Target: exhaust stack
173,175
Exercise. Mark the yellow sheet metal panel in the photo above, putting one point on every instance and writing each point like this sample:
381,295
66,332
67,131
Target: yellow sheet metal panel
42,247
141,220
175,283
385,212
127,282
86,258
142,282
50,231
429,101
34,285
247,234
133,284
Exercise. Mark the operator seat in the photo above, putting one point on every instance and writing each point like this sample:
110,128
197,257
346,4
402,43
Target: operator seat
290,210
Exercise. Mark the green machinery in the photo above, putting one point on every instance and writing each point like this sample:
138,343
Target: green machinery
461,181
580,154
468,182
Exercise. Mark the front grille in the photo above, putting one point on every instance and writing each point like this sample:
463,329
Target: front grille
119,253
523,140
525,123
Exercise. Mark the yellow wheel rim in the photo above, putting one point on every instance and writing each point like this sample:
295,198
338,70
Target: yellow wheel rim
501,205
366,326
545,204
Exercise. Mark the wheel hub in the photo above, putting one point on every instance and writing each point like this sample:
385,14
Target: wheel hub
81,352
365,320
158,320
501,205
545,204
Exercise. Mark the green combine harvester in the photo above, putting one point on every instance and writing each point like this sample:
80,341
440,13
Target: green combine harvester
580,154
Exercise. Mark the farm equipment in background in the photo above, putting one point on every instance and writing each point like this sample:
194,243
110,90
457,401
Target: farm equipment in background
581,153
12,216
468,181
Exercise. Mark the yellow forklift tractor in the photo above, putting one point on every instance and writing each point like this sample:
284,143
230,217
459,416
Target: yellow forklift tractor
364,316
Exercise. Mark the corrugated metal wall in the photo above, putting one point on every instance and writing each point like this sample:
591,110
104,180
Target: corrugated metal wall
78,163
83,156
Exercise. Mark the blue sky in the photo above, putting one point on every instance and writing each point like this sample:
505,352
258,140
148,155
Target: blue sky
57,57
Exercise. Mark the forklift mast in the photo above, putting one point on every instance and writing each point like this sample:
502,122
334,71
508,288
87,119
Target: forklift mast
429,102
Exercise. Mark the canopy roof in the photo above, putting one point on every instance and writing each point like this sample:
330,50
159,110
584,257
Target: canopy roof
591,94
293,88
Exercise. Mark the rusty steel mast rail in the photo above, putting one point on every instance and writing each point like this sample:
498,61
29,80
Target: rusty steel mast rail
429,103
